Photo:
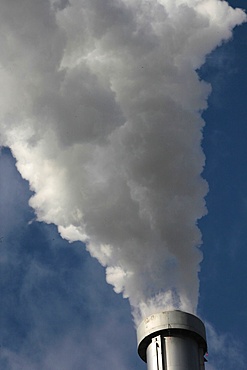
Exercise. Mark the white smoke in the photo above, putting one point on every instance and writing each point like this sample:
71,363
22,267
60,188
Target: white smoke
101,107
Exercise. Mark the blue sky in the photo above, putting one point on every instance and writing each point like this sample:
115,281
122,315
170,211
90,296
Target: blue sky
57,311
224,231
223,276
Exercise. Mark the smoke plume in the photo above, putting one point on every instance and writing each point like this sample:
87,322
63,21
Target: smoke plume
101,106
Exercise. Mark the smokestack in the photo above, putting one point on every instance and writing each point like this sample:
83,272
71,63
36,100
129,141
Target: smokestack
172,340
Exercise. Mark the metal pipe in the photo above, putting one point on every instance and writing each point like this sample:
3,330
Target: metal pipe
172,340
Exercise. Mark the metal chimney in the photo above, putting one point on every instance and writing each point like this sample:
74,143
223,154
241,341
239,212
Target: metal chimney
172,340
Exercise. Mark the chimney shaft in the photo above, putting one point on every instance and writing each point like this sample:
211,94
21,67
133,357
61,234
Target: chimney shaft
172,340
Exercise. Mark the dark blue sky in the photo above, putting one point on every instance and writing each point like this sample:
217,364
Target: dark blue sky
57,312
223,299
224,228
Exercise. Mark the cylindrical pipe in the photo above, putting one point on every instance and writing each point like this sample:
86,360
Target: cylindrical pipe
172,340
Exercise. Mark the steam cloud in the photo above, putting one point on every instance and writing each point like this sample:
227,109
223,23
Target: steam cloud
101,107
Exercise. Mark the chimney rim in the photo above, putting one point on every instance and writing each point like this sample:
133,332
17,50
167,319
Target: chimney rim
170,323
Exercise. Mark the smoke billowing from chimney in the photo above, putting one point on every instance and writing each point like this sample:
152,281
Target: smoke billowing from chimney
101,109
